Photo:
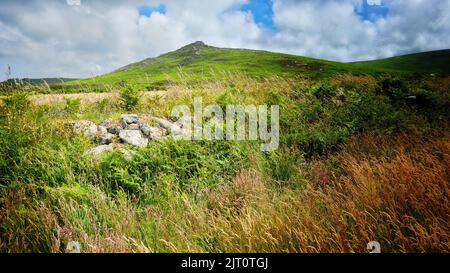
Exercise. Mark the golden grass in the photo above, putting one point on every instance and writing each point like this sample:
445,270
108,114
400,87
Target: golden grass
349,81
392,190
402,201
89,98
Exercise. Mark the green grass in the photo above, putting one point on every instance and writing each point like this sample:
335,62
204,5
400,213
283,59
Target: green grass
197,62
433,62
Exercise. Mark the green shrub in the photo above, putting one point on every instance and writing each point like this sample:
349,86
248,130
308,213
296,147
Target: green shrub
319,125
395,88
73,106
129,98
106,105
118,176
18,102
283,164
193,165
425,99
322,90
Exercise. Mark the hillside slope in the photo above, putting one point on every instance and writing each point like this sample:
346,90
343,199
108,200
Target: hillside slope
198,61
436,62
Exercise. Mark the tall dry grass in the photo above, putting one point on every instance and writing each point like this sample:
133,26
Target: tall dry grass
394,190
391,190
399,198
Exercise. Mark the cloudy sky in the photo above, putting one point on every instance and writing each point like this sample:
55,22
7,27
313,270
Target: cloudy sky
82,38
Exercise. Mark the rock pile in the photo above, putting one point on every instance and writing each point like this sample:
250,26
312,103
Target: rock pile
130,129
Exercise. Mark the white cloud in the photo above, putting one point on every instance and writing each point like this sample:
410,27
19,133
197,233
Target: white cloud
73,2
50,38
374,2
331,29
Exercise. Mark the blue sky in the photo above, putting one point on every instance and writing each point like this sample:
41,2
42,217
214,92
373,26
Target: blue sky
372,12
262,12
147,10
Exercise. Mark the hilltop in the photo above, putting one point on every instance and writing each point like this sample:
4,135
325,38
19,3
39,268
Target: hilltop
199,61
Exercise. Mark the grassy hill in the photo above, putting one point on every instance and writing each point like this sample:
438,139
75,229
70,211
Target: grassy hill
436,62
198,61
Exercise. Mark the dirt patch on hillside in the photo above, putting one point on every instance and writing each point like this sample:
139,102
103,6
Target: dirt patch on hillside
300,65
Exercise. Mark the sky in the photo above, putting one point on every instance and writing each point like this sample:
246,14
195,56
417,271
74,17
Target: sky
84,38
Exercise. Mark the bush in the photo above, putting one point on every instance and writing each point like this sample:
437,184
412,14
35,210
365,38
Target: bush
106,105
322,90
395,88
323,123
73,106
426,99
129,97
193,165
18,102
370,113
118,176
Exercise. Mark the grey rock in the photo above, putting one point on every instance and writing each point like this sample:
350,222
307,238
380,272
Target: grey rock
102,130
184,122
153,132
115,130
133,137
123,124
91,131
133,126
146,129
105,138
174,129
167,124
129,119
86,127
96,151
106,123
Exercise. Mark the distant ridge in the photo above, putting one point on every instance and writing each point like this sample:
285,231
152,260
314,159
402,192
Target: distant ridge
40,81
